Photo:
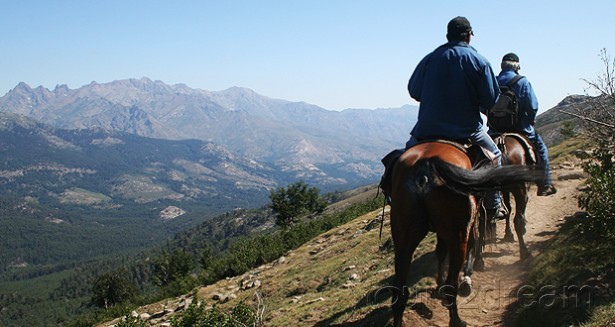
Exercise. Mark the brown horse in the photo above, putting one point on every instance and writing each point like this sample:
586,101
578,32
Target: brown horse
433,189
516,150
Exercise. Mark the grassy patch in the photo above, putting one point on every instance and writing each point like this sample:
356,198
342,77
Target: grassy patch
563,151
572,280
143,189
603,315
84,197
338,277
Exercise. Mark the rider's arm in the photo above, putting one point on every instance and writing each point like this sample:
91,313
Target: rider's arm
528,102
489,89
415,85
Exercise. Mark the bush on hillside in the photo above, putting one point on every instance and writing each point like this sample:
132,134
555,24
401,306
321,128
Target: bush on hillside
112,288
599,197
170,267
197,314
250,252
567,130
600,125
296,200
131,321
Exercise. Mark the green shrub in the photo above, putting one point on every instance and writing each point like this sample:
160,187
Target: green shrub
250,252
567,129
198,315
599,197
112,288
130,321
297,200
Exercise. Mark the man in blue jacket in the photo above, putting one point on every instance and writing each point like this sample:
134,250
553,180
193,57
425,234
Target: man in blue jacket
452,84
528,107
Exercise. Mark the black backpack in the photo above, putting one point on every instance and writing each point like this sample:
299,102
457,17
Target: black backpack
504,116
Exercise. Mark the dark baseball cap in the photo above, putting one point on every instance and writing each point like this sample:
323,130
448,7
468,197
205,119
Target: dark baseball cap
459,26
510,57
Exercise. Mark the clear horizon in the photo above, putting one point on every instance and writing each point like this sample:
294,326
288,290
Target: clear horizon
333,54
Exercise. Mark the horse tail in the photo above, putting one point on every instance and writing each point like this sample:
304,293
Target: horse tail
489,178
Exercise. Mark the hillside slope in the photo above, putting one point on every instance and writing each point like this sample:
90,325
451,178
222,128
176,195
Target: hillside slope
340,277
68,196
550,122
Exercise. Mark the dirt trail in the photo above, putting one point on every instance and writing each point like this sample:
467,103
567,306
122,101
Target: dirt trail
495,289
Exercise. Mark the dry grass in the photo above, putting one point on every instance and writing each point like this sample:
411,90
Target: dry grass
333,279
564,151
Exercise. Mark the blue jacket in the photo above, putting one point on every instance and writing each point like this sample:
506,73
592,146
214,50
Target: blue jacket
528,103
452,84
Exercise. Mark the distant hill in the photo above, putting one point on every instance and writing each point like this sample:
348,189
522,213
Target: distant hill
100,191
549,123
44,163
328,147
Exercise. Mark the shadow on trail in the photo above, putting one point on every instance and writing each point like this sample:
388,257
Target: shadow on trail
546,233
499,253
423,266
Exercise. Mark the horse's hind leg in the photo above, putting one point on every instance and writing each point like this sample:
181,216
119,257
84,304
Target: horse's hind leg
465,286
521,199
457,252
508,235
441,252
406,237
479,242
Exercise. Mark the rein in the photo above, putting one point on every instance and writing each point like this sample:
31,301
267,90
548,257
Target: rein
383,207
382,219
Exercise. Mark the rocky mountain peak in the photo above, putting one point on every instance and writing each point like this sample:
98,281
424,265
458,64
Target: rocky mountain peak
238,119
572,99
61,90
22,86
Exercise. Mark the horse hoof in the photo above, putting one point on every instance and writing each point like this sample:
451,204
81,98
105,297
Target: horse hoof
525,255
465,287
435,295
509,238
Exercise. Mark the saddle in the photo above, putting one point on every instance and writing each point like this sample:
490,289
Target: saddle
530,152
479,157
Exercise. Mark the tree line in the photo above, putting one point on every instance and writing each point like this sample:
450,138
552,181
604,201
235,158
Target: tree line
228,245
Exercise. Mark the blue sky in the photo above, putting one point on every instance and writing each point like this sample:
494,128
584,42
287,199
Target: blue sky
336,54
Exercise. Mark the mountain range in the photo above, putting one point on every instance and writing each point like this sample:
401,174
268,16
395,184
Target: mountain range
124,165
331,149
